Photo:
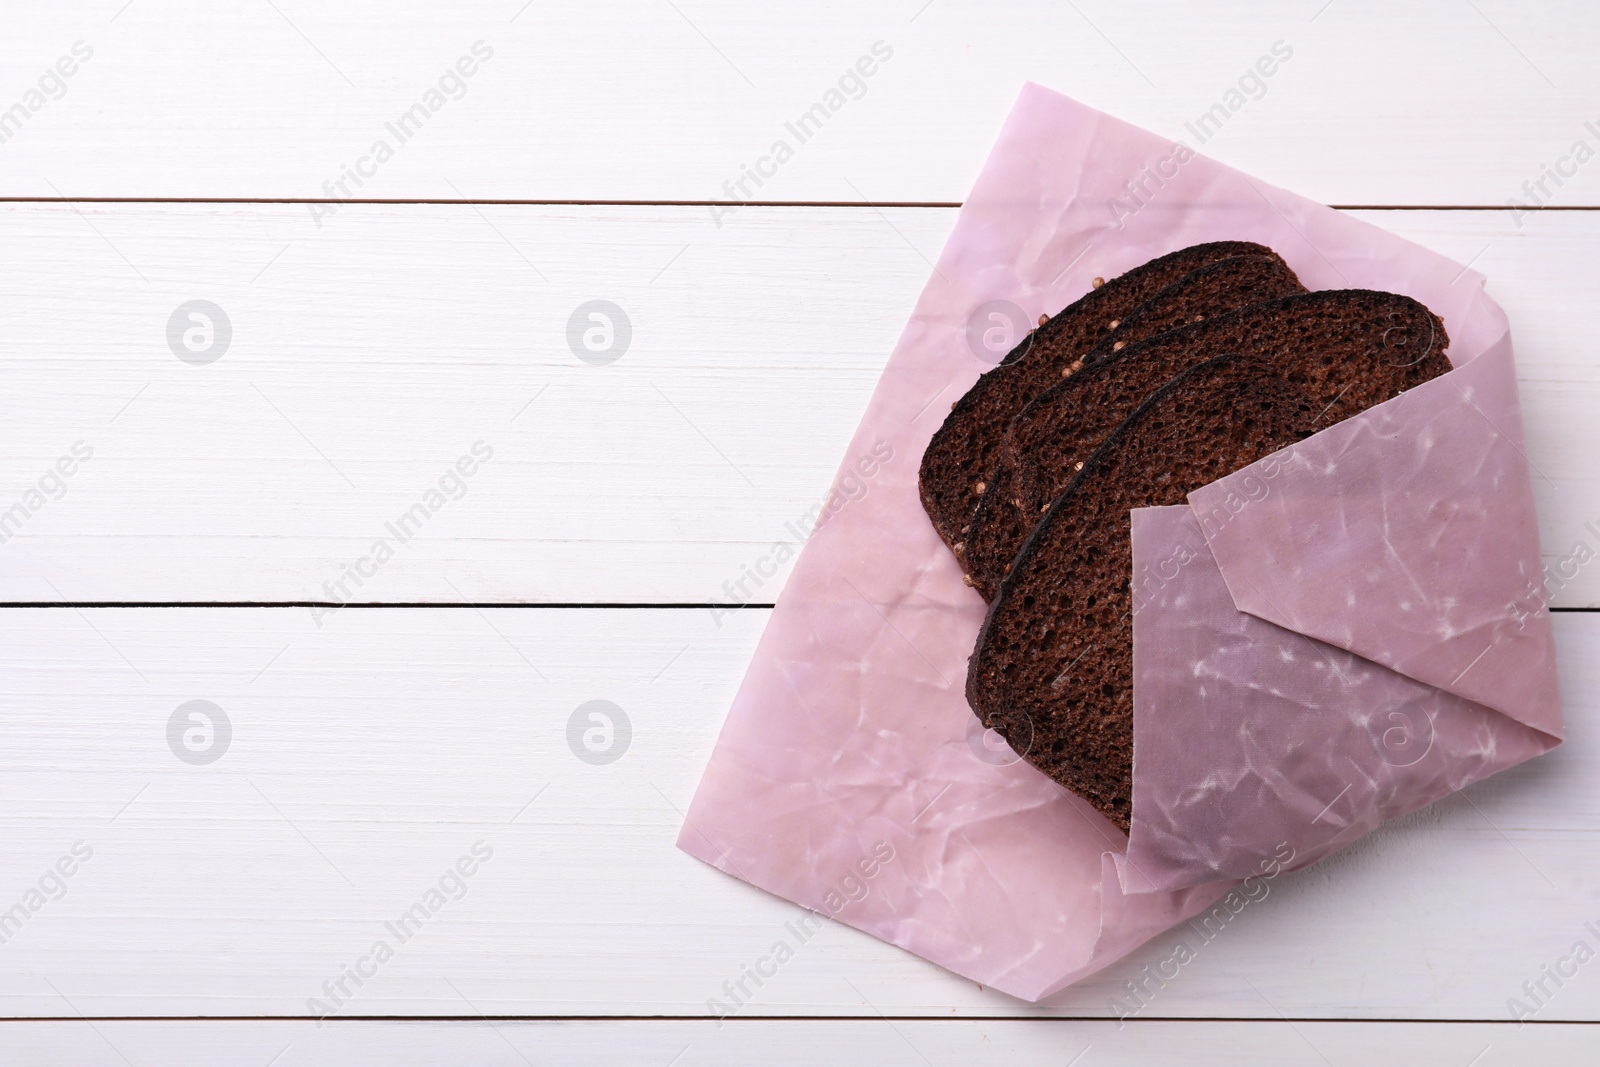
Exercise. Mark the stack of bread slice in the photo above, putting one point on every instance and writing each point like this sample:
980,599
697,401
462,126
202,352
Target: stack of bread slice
1153,384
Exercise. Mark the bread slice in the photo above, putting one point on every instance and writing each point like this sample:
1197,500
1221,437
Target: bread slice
1205,293
1349,348
1053,667
963,453
1002,522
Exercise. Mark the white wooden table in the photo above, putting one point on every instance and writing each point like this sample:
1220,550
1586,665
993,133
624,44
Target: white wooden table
194,153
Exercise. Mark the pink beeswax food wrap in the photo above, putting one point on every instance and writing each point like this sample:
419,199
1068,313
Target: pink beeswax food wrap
1341,633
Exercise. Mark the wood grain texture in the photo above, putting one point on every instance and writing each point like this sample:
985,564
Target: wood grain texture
637,99
368,755
370,355
879,1043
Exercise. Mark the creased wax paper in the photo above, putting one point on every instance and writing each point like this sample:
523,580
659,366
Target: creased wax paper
1358,631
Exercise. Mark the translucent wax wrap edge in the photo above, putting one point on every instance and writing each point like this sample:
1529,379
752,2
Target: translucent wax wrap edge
851,776
1346,631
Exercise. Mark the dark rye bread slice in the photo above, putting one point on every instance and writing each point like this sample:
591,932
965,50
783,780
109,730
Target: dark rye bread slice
1002,522
965,449
1210,291
1349,348
1053,667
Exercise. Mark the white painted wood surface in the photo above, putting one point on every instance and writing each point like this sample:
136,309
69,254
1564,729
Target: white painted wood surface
880,1043
369,754
368,356
1426,103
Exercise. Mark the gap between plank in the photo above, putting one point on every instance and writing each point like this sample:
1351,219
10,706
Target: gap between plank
474,605
1044,1020
473,203
560,605
680,203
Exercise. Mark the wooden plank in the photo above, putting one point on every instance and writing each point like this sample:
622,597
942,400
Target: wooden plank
912,1043
368,756
640,100
368,357
366,360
